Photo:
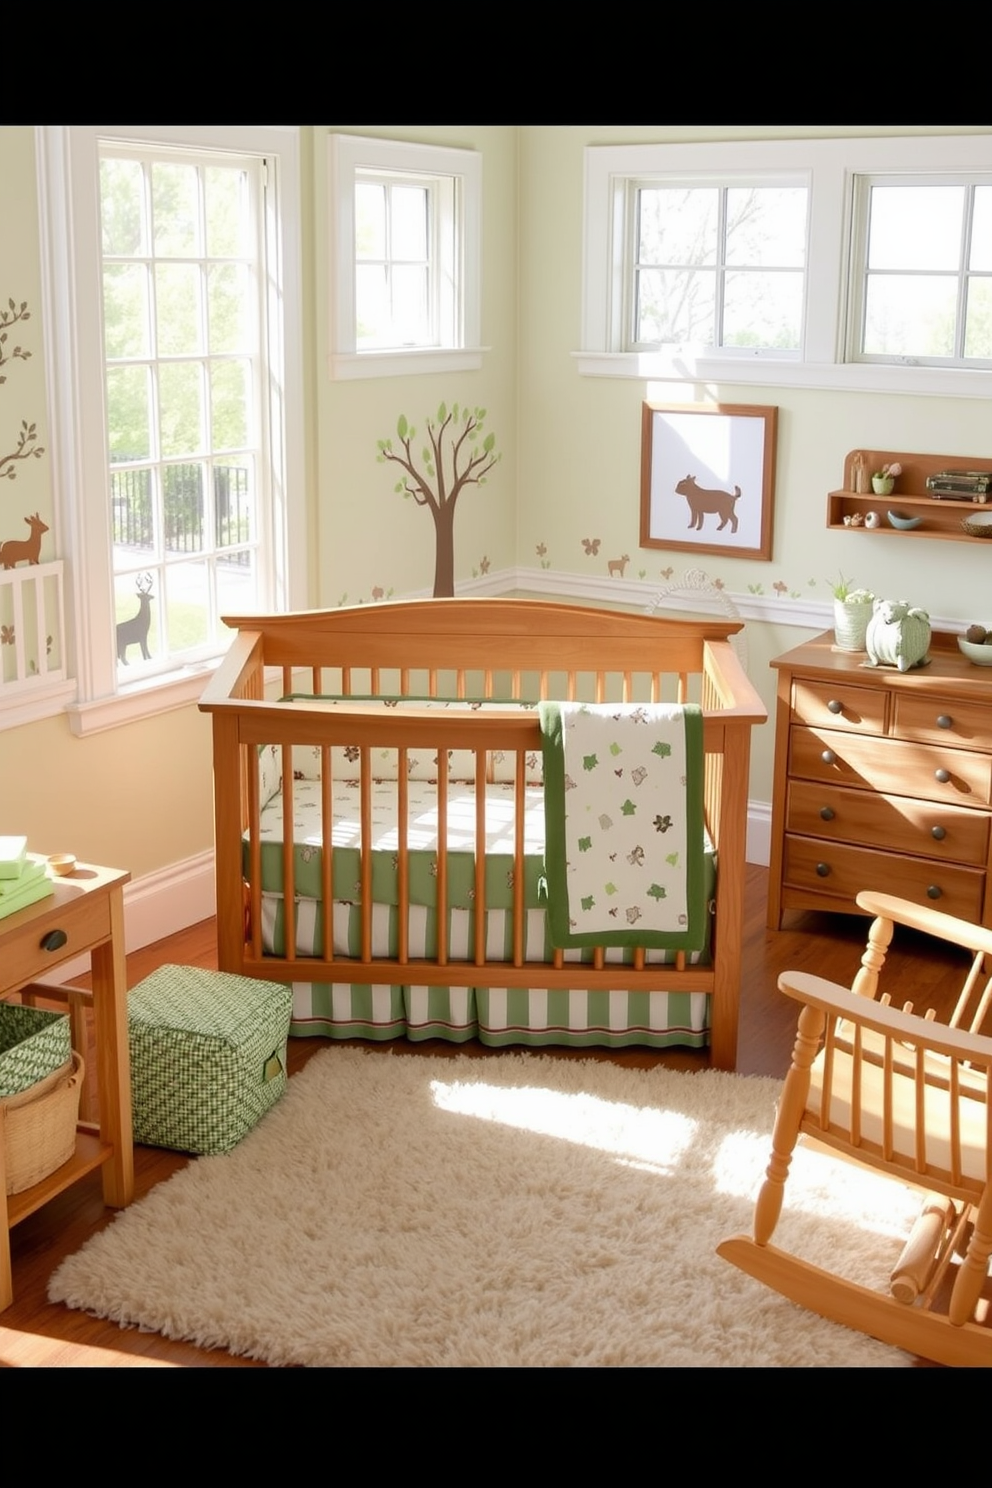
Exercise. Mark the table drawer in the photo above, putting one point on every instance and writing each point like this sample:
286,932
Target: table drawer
935,720
837,704
842,871
84,925
891,766
897,823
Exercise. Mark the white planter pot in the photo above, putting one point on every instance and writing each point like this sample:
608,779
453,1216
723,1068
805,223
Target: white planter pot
851,625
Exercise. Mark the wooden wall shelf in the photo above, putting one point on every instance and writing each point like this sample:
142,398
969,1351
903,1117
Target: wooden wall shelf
941,519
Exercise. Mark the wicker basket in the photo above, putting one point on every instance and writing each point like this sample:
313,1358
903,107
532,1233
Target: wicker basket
40,1125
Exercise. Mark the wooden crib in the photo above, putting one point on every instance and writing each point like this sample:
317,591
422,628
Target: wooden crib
305,704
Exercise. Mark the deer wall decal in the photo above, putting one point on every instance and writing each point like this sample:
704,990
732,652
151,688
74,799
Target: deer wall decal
24,550
134,632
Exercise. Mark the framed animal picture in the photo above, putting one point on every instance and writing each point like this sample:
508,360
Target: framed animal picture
708,478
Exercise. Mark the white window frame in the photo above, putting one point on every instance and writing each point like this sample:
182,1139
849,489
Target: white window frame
71,256
348,155
830,165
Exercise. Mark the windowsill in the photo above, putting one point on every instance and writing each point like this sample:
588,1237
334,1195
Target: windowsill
344,365
685,366
141,700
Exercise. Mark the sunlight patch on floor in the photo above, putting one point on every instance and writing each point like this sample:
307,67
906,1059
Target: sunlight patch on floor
638,1134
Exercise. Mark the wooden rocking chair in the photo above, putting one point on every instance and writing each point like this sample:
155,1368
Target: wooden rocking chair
905,1095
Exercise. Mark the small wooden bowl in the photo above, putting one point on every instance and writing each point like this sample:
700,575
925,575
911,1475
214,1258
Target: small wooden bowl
62,863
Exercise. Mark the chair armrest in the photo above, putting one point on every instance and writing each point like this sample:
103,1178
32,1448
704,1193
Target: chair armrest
930,921
841,1002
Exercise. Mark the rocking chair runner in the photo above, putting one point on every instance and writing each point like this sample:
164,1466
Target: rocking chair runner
908,1096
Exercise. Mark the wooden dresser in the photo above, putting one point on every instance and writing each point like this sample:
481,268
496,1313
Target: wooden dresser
883,780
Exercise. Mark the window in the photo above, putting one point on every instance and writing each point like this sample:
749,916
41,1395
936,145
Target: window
405,241
174,343
813,263
924,253
713,265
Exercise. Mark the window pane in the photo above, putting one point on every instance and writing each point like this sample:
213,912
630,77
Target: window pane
677,226
177,309
128,407
227,208
187,587
410,315
370,220
230,326
915,227
371,305
409,222
229,408
183,489
981,230
122,208
978,326
125,310
676,305
763,310
910,315
766,226
181,407
175,208
234,508
133,514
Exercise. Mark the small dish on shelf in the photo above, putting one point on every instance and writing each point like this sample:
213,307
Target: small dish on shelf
977,652
902,522
978,524
62,863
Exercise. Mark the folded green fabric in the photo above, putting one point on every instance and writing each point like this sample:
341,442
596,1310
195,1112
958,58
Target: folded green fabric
623,802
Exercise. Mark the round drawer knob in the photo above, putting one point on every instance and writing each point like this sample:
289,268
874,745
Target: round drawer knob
942,775
54,940
835,706
826,813
823,870
944,721
933,892
938,833
828,757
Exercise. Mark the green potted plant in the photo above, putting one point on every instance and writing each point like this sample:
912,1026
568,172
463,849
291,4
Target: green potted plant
882,481
852,611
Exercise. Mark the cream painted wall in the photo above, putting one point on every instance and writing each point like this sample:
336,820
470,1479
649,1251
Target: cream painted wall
579,444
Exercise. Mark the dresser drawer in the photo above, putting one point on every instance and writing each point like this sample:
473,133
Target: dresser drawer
84,925
838,704
892,766
897,823
935,720
841,872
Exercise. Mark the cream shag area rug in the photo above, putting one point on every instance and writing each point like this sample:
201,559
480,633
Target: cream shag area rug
398,1210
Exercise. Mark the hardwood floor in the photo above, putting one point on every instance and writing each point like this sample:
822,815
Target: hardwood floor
36,1333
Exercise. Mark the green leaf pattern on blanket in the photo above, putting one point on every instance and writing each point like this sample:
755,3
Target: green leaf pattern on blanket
627,796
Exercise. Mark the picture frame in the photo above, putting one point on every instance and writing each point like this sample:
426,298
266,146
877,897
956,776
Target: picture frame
708,477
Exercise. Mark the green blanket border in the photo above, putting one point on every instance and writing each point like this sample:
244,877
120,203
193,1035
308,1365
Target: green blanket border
694,937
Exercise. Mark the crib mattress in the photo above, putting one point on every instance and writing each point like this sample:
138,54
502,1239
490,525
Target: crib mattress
422,839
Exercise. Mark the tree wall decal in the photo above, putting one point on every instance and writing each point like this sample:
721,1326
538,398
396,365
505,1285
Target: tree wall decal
456,454
27,446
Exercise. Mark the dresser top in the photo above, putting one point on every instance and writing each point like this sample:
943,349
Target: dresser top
947,670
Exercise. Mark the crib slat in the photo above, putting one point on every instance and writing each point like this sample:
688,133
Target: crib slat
365,873
327,850
480,858
254,852
288,854
403,856
518,859
442,857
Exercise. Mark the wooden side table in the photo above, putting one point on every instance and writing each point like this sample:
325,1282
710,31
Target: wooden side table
84,914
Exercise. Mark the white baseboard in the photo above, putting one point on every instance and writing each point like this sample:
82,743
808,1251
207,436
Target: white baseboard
183,894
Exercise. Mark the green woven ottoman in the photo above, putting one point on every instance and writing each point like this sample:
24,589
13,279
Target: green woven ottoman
208,1056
